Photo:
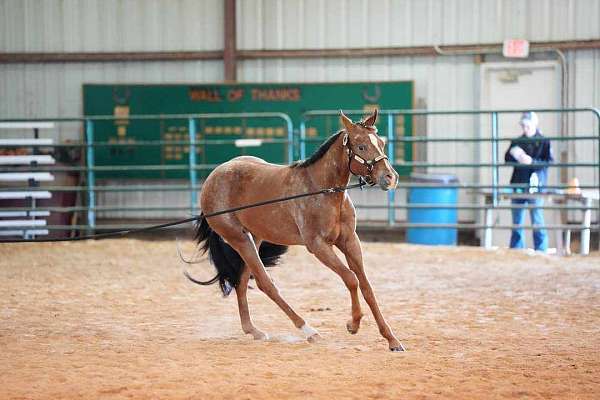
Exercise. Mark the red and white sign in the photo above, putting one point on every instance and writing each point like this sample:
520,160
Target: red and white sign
515,48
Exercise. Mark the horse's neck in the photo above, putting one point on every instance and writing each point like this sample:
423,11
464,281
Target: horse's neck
332,169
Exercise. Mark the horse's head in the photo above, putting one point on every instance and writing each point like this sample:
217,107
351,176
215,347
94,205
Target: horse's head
366,152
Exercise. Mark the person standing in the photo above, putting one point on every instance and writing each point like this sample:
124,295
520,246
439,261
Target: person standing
532,152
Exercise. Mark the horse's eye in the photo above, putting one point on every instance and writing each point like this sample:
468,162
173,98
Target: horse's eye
362,147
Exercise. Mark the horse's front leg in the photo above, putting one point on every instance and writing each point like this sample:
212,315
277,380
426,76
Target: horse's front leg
324,252
350,246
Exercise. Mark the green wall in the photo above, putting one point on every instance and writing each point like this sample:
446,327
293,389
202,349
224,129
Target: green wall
292,99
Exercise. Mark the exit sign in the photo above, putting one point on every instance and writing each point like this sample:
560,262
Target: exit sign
515,48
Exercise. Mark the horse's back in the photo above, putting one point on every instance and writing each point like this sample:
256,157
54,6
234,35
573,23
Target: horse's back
247,180
244,178
248,159
246,167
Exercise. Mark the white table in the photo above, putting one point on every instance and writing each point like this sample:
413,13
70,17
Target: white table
586,198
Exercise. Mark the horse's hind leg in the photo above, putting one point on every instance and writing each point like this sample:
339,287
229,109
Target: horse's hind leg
244,245
240,292
324,252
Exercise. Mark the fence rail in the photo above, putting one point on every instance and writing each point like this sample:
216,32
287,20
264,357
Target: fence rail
296,143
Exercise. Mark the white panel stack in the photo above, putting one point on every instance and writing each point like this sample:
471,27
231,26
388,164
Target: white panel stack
29,227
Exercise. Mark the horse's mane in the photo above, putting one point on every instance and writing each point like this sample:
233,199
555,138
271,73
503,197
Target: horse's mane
317,155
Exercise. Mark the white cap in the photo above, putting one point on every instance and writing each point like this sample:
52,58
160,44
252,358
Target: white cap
529,117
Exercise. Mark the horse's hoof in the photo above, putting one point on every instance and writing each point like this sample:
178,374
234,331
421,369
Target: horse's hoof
397,348
353,330
258,335
314,338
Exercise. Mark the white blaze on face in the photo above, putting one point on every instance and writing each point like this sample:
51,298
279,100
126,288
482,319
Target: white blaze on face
373,139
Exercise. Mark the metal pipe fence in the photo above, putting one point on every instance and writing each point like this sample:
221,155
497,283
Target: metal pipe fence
297,146
90,169
496,189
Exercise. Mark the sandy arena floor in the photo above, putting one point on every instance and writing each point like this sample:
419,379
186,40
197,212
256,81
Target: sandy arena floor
117,319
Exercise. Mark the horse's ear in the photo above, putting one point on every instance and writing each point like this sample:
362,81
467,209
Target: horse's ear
372,118
346,121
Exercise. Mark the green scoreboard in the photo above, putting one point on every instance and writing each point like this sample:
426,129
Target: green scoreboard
294,99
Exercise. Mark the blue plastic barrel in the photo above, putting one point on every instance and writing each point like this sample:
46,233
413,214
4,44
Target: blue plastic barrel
433,195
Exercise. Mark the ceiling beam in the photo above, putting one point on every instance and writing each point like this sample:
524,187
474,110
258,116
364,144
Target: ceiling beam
415,51
29,58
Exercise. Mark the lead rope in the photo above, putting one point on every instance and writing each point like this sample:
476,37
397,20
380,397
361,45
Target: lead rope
124,232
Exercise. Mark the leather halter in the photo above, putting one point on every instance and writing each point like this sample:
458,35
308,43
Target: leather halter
369,164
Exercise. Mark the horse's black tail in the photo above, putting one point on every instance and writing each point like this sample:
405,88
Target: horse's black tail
226,260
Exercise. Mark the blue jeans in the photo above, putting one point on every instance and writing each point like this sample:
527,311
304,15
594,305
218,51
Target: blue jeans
540,236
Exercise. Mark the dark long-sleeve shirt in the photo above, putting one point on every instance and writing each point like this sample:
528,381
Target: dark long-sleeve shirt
539,149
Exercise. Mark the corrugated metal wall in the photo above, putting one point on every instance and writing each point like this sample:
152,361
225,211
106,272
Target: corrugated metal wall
445,82
110,25
170,25
379,23
584,90
138,25
50,90
45,90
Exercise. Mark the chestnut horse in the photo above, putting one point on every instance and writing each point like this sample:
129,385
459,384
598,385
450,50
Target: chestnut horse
242,243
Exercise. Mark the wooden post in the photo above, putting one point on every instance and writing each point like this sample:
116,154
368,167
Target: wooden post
230,50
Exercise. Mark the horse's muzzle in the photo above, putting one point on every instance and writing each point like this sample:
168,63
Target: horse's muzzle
388,181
